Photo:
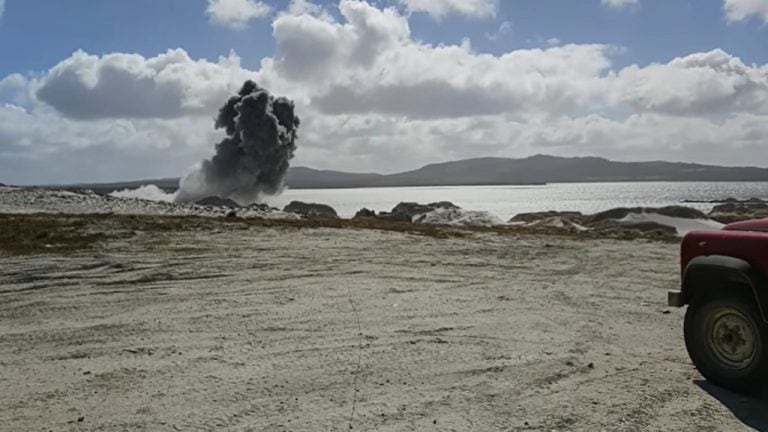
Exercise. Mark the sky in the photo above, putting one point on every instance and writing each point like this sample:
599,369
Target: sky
94,91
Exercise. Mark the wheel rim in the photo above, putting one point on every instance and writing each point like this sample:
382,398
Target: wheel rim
731,338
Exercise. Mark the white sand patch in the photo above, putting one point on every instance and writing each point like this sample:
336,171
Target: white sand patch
232,329
682,225
552,222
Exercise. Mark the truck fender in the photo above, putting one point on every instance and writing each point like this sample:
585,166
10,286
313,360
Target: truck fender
716,272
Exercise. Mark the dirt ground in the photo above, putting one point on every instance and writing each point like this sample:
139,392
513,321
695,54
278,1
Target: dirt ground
263,328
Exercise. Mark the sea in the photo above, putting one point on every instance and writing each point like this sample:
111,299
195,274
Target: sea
507,201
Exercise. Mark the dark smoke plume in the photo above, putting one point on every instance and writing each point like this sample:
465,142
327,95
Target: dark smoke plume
254,157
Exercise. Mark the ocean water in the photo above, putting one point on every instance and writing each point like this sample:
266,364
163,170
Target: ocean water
507,201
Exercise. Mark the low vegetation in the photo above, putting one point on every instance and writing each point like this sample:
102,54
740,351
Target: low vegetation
61,233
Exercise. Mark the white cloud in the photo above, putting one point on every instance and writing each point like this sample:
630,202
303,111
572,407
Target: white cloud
130,86
370,63
554,41
373,97
40,146
14,88
15,80
2,8
442,8
701,84
505,28
740,10
302,7
619,4
310,46
541,42
236,13
434,82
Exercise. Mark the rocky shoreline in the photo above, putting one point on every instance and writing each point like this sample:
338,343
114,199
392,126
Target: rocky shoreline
672,221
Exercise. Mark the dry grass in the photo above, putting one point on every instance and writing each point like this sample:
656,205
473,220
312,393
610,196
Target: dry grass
60,233
22,234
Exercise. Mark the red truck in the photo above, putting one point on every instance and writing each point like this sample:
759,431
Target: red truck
724,284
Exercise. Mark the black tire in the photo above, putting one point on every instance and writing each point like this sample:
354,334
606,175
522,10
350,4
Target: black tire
727,341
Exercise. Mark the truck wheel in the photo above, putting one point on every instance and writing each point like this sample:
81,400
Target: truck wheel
728,341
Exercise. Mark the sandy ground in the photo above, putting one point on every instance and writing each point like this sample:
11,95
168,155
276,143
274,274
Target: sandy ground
272,329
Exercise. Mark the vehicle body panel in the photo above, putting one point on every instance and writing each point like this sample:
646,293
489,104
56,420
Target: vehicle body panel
735,255
756,225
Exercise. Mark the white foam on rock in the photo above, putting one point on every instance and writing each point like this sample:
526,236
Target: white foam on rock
444,216
682,225
147,192
38,200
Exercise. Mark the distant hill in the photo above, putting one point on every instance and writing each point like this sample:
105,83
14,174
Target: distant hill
537,169
308,178
552,169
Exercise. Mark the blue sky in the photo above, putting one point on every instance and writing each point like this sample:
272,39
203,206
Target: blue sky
580,65
656,31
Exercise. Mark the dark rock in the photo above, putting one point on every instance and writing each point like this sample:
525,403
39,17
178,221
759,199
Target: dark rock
678,212
215,201
365,213
727,218
444,205
534,217
740,207
621,213
730,207
411,209
651,227
311,210
407,211
612,214
262,207
395,217
733,210
727,200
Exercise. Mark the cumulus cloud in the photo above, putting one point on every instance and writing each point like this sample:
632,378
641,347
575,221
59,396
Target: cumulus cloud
14,88
39,146
13,81
740,10
2,8
236,14
119,85
619,4
442,8
698,84
371,64
372,97
310,46
302,7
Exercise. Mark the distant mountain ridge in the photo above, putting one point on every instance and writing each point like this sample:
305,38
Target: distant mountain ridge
539,169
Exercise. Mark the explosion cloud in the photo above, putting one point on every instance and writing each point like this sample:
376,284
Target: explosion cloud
254,157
